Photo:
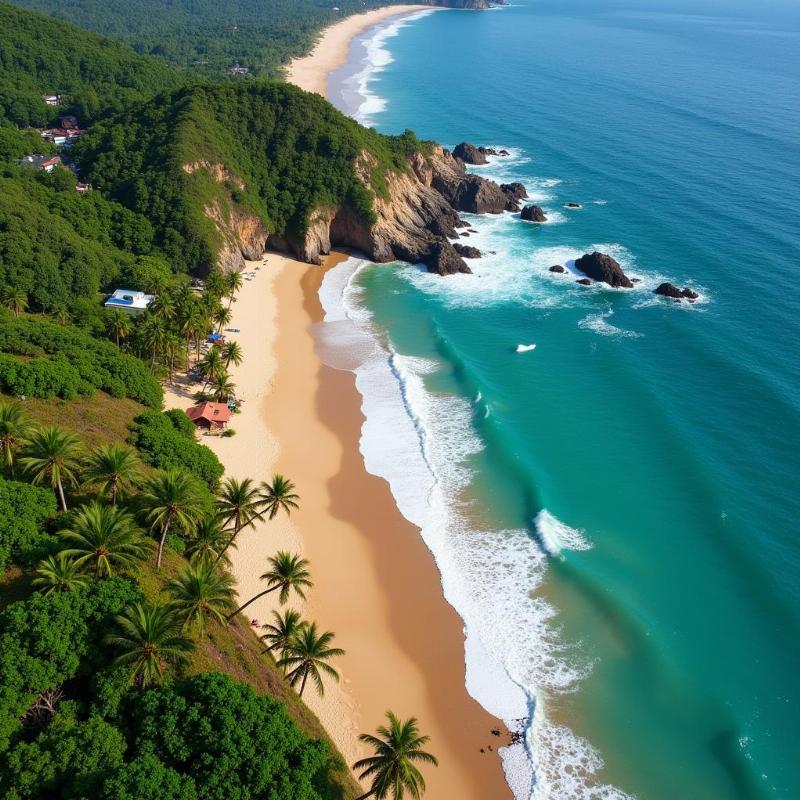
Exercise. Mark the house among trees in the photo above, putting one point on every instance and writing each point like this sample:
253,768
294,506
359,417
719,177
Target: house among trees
52,99
47,163
210,416
237,69
69,123
129,300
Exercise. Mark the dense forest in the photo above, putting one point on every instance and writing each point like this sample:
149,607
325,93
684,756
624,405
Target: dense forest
209,36
284,153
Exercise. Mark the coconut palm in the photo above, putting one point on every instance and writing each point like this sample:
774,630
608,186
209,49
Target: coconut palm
222,389
232,354
60,573
280,631
306,656
201,592
238,506
114,469
149,637
152,333
212,366
162,306
392,770
52,455
15,300
278,496
222,316
209,541
15,427
105,537
172,348
287,572
233,283
60,314
171,498
119,325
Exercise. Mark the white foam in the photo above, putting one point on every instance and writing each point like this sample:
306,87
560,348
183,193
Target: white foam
423,444
556,537
598,323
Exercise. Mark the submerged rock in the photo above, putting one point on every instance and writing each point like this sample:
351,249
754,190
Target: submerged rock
603,268
572,205
557,268
533,214
670,290
584,282
465,251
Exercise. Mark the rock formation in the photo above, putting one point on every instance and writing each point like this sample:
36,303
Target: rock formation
466,251
533,214
584,282
602,267
515,191
557,268
670,290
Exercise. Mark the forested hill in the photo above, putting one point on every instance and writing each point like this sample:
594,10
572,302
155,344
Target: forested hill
196,161
93,74
210,36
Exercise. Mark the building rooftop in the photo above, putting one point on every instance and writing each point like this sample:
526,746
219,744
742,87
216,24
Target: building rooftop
217,413
129,299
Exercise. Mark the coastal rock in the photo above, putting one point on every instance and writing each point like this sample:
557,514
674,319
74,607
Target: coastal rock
533,214
503,153
670,290
572,205
584,282
466,251
443,259
243,235
469,154
557,268
514,191
602,267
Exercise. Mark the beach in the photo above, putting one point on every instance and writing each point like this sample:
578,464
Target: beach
311,71
375,583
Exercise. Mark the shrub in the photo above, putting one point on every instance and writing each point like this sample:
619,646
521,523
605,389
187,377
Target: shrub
23,512
166,440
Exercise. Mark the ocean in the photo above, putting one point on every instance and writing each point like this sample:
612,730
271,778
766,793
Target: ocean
615,512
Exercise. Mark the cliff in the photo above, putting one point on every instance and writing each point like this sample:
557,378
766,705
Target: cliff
223,172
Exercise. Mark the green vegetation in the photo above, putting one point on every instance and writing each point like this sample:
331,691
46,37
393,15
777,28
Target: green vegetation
93,75
264,149
209,36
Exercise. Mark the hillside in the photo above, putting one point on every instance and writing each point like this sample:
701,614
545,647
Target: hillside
209,36
221,171
93,75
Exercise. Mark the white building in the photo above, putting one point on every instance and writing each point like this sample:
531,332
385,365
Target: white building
129,300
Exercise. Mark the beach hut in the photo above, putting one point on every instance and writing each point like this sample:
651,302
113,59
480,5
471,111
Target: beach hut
210,416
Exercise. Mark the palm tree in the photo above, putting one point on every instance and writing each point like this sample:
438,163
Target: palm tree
280,631
232,354
152,331
52,455
278,495
223,389
392,769
105,536
113,468
172,348
171,497
149,636
15,426
306,657
286,572
222,316
15,300
212,366
233,283
238,505
201,592
60,314
119,325
60,574
209,541
162,306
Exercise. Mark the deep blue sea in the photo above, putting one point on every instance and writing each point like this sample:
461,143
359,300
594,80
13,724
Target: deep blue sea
615,513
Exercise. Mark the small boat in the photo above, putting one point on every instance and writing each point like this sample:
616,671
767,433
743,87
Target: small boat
524,348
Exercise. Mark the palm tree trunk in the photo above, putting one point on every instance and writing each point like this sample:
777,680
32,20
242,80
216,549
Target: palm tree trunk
303,684
251,600
61,495
230,542
161,543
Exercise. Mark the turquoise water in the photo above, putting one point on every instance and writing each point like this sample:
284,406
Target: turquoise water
647,452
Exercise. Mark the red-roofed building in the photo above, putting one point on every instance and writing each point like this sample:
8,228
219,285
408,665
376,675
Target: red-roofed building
211,416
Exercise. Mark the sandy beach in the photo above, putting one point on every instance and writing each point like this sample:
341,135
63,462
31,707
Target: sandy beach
376,584
311,72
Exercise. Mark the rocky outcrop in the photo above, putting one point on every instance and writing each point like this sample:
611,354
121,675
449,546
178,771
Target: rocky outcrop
670,290
514,191
584,282
243,234
470,154
557,268
443,259
533,214
602,267
465,251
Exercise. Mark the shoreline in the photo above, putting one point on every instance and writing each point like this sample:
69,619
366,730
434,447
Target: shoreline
376,585
311,72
